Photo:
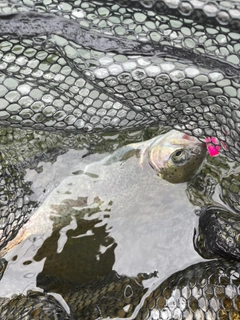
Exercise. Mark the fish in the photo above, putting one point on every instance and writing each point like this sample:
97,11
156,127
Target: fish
176,156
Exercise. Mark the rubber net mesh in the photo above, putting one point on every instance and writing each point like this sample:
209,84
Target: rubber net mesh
95,66
85,66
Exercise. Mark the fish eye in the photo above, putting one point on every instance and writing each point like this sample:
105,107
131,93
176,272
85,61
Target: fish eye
178,153
179,156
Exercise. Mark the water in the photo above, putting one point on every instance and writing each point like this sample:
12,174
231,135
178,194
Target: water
120,217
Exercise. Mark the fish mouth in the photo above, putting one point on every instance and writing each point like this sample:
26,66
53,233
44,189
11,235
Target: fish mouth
184,139
194,140
190,138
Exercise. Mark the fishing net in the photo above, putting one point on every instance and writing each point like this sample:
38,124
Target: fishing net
34,305
88,67
203,291
207,290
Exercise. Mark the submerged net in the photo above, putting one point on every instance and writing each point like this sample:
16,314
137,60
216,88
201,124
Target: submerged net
108,66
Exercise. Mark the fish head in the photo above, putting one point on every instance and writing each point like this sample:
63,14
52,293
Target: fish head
177,156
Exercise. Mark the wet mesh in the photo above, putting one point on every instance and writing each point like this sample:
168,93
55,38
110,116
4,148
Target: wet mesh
218,234
218,230
107,297
87,66
230,191
33,305
109,66
206,290
15,202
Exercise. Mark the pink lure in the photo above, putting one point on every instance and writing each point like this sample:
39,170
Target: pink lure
212,148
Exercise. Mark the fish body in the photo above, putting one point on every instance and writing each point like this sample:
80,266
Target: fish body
175,156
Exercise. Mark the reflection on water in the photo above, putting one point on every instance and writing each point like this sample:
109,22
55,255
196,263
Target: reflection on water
99,219
78,259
